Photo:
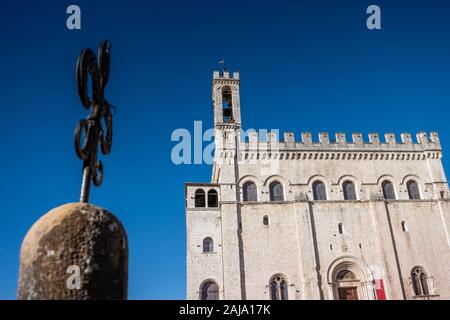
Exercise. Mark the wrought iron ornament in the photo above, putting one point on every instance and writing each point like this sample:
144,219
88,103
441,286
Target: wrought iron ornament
93,130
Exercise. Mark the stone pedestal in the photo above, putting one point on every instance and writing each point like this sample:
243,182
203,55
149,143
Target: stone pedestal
75,251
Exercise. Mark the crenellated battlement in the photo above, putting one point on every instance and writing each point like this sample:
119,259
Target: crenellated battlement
217,75
227,122
271,141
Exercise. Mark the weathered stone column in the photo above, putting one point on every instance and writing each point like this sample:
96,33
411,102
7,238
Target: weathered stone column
75,251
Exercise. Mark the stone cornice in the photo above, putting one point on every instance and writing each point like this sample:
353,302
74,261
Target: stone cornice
399,155
327,202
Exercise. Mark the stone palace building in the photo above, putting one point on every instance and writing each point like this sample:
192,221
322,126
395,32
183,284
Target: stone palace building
288,219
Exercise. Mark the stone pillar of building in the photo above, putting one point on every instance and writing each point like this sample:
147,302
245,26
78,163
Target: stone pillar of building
75,251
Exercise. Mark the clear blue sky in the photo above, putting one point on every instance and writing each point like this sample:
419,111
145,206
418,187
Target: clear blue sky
305,66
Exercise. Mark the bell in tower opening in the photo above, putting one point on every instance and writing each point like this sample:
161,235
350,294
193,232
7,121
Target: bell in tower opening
227,105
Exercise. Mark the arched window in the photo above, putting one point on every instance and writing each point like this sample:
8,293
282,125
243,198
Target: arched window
419,281
266,220
388,190
212,198
208,245
413,190
349,190
227,104
200,198
209,291
278,288
250,192
276,191
319,191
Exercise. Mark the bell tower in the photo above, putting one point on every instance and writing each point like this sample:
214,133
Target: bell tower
227,125
225,95
225,174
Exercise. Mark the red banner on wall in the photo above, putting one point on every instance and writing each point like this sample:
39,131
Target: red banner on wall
379,289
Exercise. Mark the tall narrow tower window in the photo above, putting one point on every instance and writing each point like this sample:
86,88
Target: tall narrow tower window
227,104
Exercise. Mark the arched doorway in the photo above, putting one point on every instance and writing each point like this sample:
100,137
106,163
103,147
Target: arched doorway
351,279
347,285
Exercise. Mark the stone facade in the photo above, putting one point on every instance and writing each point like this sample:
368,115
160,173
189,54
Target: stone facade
301,233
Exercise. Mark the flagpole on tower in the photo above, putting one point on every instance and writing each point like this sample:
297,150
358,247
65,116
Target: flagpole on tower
222,63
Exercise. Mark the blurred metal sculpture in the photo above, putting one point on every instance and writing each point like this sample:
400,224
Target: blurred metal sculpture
92,129
91,245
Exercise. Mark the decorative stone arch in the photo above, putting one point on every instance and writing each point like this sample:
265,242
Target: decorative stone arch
390,177
350,177
421,266
219,90
259,183
356,182
326,181
418,180
362,284
284,182
250,178
200,288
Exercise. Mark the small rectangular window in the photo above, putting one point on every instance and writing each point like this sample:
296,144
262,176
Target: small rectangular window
404,226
